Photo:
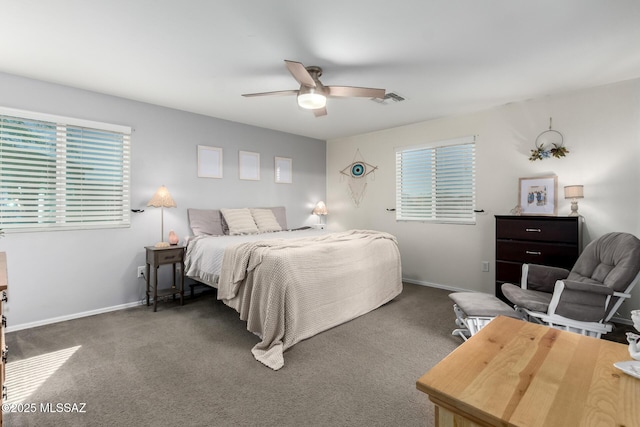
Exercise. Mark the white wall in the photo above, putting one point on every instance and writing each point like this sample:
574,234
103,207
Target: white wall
57,275
601,129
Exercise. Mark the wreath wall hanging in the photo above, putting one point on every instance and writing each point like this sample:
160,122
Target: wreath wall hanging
549,143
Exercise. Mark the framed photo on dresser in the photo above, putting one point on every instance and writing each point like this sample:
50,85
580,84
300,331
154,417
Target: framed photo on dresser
538,196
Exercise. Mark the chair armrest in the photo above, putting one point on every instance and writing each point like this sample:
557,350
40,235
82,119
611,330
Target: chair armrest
542,277
596,288
586,302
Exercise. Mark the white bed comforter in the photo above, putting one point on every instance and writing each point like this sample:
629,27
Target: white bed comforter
290,290
203,259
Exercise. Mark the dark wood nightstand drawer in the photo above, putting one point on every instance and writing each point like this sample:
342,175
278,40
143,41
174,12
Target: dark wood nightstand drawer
537,230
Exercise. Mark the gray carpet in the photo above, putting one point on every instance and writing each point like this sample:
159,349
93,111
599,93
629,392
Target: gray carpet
191,365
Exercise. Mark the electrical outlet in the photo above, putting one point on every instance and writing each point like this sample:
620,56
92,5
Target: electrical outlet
485,266
141,269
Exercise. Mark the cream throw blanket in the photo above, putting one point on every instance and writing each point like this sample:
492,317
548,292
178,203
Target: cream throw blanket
290,290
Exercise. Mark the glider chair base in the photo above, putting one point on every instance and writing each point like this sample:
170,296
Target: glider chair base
589,329
475,310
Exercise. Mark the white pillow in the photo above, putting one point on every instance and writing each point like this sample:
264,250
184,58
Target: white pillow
265,220
239,221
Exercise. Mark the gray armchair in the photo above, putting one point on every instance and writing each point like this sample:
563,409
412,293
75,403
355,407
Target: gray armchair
584,299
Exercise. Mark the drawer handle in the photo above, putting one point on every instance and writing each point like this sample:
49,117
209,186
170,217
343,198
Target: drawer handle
533,252
532,230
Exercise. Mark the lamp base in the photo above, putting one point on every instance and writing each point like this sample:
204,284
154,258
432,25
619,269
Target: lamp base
574,208
162,245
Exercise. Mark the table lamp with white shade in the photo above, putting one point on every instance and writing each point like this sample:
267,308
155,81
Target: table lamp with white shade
162,199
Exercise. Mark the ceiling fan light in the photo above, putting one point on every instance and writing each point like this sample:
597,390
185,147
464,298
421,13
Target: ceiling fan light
312,100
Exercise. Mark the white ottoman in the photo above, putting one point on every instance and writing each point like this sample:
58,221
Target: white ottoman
474,310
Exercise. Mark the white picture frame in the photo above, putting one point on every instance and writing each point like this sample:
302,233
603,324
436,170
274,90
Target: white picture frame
538,196
249,165
283,173
209,162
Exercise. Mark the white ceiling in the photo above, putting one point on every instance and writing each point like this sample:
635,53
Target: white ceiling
446,57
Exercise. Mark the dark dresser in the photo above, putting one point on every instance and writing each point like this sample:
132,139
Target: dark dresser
548,240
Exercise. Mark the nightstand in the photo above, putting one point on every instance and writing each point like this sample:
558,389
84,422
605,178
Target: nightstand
156,257
319,226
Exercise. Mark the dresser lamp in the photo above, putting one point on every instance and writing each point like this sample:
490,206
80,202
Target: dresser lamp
162,199
574,192
320,210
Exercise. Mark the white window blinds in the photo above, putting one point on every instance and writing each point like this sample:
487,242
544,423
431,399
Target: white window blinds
60,173
436,182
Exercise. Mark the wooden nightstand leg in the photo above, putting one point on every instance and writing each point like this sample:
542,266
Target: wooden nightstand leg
182,283
155,288
146,276
173,285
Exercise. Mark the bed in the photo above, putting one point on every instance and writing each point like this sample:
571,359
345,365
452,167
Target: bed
289,285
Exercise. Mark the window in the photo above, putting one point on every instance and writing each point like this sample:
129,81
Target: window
436,182
60,173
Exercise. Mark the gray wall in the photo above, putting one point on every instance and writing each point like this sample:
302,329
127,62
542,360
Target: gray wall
63,274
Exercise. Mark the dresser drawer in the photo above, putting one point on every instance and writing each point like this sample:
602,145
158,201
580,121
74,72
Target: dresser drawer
554,254
508,271
543,230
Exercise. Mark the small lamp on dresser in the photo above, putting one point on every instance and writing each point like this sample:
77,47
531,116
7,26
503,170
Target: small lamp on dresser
574,192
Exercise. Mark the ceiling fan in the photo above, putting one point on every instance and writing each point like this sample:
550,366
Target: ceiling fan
312,94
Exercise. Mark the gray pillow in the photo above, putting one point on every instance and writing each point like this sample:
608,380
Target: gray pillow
281,215
205,222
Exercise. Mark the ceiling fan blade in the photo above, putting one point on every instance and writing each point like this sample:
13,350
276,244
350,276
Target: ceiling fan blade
352,91
300,73
277,93
319,112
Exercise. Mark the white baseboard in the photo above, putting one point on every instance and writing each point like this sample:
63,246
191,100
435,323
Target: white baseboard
73,316
84,314
435,285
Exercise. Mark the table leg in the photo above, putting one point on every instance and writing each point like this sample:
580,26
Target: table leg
182,283
146,276
155,287
173,285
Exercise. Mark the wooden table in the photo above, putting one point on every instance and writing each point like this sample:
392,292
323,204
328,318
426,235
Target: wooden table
515,373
